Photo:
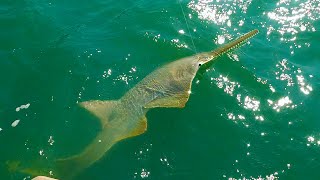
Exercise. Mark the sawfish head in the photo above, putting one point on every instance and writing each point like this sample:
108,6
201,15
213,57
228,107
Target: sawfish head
200,59
182,72
192,64
170,85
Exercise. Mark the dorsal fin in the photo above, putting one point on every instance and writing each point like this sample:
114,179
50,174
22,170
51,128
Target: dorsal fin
101,109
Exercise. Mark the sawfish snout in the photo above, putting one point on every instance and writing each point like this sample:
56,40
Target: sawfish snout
206,57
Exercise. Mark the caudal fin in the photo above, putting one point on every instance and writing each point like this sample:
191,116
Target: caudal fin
68,168
32,169
116,125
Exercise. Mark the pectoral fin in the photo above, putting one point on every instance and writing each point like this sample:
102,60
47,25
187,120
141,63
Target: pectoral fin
140,128
175,100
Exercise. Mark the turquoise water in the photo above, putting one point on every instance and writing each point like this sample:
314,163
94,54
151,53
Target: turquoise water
254,113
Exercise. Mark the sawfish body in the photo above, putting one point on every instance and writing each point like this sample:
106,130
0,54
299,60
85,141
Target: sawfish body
167,86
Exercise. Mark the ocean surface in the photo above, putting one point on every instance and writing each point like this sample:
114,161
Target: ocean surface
254,114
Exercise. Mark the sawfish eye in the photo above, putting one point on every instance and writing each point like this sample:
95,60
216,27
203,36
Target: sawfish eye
200,64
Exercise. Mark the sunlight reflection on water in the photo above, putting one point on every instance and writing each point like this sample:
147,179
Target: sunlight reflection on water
142,155
219,11
283,23
292,17
293,75
311,140
241,173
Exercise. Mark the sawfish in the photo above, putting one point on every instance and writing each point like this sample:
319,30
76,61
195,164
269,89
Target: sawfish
168,86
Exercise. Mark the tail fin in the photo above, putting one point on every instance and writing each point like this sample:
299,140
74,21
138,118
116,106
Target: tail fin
69,167
116,126
33,169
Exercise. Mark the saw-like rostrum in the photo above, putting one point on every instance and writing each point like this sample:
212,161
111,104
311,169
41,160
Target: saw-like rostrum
168,86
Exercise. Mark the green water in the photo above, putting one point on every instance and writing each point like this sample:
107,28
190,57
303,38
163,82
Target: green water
254,113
